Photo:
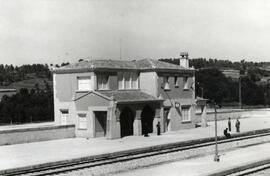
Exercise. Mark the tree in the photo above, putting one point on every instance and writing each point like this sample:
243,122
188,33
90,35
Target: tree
214,84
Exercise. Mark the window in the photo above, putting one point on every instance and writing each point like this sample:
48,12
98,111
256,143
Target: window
185,113
176,81
84,83
82,121
166,85
134,81
185,81
64,116
121,81
103,82
127,80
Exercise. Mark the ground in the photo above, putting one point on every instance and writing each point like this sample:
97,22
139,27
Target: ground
21,155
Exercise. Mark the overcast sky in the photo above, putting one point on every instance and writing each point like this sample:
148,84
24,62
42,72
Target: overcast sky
56,31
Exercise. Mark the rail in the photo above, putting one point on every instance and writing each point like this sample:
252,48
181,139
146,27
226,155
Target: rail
98,160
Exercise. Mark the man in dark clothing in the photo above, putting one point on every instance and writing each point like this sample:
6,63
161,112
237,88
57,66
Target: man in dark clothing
228,135
229,124
158,128
145,132
237,125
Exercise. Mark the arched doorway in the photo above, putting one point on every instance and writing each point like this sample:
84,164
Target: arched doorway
147,119
126,122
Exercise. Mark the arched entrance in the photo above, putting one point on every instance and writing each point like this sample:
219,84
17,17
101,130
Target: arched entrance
147,118
126,122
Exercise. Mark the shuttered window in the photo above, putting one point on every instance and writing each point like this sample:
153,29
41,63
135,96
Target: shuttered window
103,82
185,81
186,113
84,83
82,123
128,80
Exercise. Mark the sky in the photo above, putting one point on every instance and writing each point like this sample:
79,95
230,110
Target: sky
56,31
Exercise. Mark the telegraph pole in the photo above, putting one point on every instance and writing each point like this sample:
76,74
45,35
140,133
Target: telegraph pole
216,157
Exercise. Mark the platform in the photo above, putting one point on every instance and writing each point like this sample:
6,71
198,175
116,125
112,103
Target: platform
205,166
23,155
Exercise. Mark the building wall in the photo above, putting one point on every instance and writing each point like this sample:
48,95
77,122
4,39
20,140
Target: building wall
65,87
36,134
178,95
90,100
175,119
175,91
148,83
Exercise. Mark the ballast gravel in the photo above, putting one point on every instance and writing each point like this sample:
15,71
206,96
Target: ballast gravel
113,169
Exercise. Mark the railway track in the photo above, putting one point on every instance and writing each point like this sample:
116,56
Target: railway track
253,171
88,162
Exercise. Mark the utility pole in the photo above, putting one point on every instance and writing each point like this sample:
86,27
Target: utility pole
216,157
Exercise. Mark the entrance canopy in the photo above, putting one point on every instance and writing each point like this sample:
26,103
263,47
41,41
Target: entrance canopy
128,96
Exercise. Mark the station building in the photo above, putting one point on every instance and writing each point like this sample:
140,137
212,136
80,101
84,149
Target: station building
117,98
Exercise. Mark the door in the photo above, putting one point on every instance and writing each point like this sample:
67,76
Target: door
100,123
126,122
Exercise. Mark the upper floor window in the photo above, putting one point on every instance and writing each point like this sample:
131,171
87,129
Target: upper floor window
127,80
103,82
166,85
84,83
176,81
185,82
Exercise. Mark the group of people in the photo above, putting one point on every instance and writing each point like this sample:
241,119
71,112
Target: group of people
237,126
226,133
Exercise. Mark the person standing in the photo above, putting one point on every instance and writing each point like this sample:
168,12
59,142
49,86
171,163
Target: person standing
146,130
229,124
237,125
158,128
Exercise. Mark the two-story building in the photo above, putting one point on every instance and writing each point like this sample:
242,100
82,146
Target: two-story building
117,98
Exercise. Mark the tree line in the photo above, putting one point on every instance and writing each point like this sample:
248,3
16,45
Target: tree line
212,84
27,106
10,73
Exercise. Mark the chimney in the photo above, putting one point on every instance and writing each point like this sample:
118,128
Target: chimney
184,60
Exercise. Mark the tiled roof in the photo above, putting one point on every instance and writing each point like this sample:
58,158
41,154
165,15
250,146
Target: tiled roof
141,65
129,96
156,64
93,64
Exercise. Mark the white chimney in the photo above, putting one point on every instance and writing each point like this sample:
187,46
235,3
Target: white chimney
184,62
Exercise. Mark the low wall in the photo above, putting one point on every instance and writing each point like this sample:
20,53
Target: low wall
35,134
234,113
